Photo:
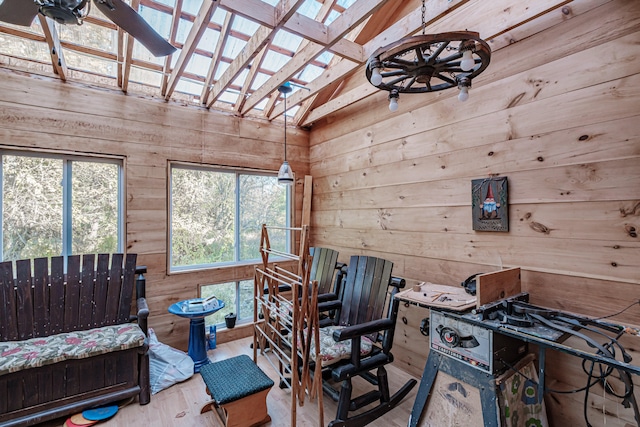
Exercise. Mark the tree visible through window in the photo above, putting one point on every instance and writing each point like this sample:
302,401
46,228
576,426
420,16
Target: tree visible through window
217,215
238,299
59,205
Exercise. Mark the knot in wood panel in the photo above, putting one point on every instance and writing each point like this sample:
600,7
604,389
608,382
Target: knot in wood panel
540,228
634,210
383,217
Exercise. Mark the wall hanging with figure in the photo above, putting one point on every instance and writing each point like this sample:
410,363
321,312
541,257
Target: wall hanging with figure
489,207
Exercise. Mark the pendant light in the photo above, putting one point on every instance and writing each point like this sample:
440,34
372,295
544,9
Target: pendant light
285,174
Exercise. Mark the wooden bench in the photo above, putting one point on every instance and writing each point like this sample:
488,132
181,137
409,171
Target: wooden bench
239,390
66,339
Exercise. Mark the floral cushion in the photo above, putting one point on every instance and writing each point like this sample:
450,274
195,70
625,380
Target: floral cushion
36,352
332,351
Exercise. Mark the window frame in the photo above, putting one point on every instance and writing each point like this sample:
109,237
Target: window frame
237,171
67,193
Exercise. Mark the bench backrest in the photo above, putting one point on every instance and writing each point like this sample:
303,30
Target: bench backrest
41,300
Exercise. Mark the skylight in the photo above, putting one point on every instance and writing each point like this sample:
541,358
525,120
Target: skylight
96,49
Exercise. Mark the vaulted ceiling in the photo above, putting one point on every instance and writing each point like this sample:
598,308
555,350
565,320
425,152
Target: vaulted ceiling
232,55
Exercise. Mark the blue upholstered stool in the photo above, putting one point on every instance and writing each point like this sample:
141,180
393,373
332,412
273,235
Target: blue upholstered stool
239,391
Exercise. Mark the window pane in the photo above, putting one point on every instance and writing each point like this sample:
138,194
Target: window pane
262,201
225,292
31,207
202,217
94,207
245,311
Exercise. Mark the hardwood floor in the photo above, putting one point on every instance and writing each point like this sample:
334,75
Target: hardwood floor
180,404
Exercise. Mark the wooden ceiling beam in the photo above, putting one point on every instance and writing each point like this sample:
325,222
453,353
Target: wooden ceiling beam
350,19
198,28
175,22
21,33
55,50
120,57
284,10
306,106
488,21
248,82
303,26
405,26
128,55
267,16
321,16
342,68
100,22
217,56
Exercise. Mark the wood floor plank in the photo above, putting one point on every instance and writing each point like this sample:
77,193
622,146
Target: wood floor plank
179,405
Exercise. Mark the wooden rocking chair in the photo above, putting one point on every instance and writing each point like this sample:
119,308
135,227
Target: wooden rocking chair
366,311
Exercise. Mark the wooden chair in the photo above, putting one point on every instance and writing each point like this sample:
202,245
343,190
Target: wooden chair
325,269
366,311
328,272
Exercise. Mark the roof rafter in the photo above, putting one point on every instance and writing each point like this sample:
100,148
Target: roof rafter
408,25
175,21
303,26
217,55
263,36
55,50
126,71
120,56
248,82
321,16
350,19
199,26
469,16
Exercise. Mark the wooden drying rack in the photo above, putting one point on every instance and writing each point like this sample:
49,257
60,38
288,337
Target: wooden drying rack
288,324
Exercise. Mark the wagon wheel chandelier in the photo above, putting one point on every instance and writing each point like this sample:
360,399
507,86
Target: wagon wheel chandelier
428,63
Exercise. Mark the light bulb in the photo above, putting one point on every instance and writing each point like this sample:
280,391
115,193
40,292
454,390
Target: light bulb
393,104
376,77
464,94
467,63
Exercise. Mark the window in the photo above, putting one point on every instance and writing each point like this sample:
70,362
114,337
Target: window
216,216
59,205
237,297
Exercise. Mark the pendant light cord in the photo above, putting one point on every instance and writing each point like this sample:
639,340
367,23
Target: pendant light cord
285,126
424,11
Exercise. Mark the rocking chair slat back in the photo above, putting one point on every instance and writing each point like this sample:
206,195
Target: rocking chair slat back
365,290
323,267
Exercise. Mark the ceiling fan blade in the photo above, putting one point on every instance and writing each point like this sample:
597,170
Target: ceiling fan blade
18,12
130,21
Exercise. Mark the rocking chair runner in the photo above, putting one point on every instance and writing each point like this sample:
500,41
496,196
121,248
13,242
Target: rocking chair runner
366,309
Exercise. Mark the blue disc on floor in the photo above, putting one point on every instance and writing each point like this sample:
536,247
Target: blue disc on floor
99,414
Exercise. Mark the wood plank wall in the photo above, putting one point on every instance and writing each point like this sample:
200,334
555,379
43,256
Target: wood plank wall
558,113
41,113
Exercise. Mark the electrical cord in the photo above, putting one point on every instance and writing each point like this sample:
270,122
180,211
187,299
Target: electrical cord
619,312
607,350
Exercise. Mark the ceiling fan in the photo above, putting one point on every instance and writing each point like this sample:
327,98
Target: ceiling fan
22,12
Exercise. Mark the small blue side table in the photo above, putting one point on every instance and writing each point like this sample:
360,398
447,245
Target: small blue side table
197,338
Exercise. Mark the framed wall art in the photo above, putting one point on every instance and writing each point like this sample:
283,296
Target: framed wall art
489,204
